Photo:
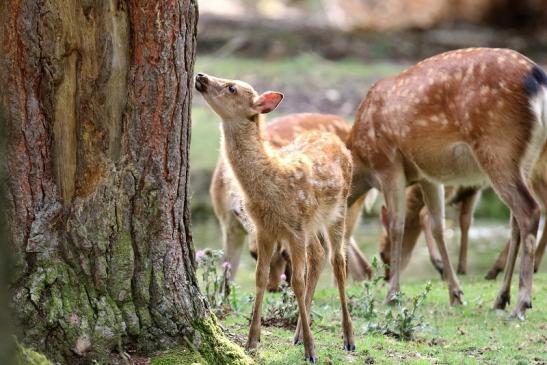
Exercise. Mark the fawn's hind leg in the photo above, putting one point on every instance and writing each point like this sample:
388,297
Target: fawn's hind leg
315,259
338,262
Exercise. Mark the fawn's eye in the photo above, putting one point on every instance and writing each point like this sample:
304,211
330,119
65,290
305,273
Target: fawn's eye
232,89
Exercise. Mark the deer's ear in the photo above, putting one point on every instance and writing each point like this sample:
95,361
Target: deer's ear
267,102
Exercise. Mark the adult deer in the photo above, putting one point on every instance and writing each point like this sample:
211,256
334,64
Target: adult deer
236,226
289,194
462,117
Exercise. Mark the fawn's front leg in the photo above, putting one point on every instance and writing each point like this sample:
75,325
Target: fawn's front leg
338,262
265,247
297,249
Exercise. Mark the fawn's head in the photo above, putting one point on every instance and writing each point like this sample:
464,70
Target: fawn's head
235,100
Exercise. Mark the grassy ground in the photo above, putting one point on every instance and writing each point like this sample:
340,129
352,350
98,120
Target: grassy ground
472,334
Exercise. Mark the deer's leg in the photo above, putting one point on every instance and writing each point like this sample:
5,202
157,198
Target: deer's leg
233,240
499,265
338,262
540,250
297,250
539,185
265,250
434,200
514,192
393,186
467,207
357,265
278,267
504,295
434,256
414,204
315,259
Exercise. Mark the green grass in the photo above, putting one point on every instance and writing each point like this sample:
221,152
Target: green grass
471,334
205,139
293,70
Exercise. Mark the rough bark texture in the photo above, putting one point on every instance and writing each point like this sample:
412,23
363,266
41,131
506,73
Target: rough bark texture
97,102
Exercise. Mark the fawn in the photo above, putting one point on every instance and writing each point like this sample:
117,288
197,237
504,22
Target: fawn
462,117
288,193
417,220
236,225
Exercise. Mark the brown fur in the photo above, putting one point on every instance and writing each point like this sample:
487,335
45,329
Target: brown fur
278,133
462,117
289,194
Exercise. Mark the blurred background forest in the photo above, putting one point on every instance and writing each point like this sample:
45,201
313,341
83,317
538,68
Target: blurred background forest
324,55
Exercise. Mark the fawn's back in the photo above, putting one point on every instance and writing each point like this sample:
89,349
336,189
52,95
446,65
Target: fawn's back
313,185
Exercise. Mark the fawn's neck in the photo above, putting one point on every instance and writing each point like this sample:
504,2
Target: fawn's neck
244,148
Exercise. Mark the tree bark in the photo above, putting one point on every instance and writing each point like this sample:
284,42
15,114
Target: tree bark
97,101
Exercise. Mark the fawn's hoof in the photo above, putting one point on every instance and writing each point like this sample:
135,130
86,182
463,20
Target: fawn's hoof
311,359
349,347
502,300
297,341
456,297
462,271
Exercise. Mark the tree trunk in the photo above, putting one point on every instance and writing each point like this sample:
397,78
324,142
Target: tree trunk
97,97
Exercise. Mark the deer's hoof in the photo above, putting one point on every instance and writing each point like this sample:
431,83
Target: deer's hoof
311,359
297,341
520,311
502,301
456,297
492,274
439,267
349,347
391,297
462,272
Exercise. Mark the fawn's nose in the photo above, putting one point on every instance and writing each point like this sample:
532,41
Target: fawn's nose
201,82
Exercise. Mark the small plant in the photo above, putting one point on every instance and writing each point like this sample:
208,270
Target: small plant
219,289
401,319
365,305
282,311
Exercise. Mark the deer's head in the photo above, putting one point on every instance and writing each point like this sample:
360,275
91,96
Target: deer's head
235,100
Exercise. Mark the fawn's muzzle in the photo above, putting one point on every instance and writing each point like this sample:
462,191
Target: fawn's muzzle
201,82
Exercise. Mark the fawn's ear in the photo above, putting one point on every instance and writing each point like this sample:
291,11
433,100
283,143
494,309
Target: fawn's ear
385,219
267,102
